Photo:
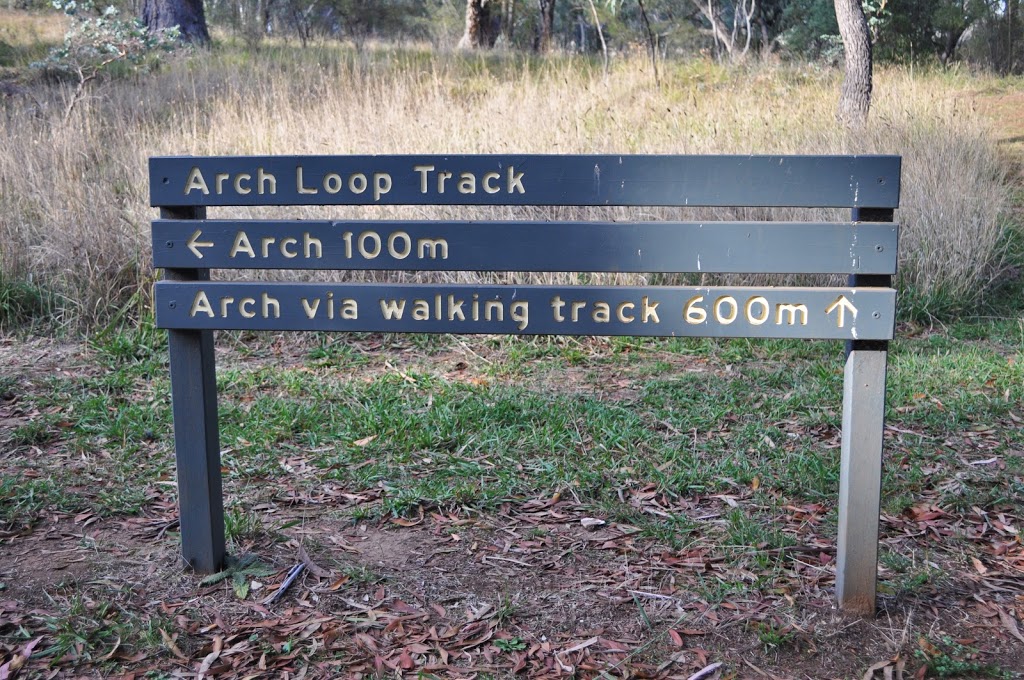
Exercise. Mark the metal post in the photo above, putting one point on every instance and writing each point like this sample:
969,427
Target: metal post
196,433
860,478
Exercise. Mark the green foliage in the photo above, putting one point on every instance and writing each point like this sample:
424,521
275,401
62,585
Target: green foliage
510,644
21,302
102,41
951,659
809,28
98,39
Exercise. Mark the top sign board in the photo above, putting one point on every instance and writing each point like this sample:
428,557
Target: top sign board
741,181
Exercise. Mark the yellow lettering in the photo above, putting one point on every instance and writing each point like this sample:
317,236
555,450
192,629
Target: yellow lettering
310,309
620,312
420,310
557,303
381,184
196,181
520,313
349,309
649,310
224,302
239,189
496,306
333,183
241,245
748,310
357,183
423,170
263,179
299,183
392,309
792,310
442,177
201,303
245,307
271,303
309,244
602,312
576,307
467,183
285,242
515,181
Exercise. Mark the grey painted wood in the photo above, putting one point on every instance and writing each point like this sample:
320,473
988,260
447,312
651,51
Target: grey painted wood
662,311
860,480
196,434
770,181
722,247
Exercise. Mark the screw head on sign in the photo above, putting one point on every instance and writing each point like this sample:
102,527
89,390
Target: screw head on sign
875,315
169,244
172,304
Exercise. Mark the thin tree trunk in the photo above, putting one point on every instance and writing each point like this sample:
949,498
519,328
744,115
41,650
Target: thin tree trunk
717,27
651,42
482,26
546,27
600,34
855,99
508,20
187,15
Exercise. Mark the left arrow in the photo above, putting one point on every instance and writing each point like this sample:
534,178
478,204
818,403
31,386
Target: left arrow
194,244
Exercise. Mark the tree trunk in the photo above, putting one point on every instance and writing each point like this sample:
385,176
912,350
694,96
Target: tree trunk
508,20
546,27
718,30
855,99
187,15
483,24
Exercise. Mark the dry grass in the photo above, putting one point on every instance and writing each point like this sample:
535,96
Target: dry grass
26,36
73,213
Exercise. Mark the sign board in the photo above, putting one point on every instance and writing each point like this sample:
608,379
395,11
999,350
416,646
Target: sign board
772,181
663,311
723,247
191,306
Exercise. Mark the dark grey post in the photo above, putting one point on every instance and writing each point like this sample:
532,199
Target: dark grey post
196,435
860,477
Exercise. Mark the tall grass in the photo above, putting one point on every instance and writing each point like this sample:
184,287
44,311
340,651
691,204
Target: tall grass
73,195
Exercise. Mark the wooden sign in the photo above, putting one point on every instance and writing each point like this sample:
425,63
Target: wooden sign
662,311
724,247
774,181
862,313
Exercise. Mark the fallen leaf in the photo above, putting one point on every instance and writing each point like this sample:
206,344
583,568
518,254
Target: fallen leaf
1010,625
364,441
169,642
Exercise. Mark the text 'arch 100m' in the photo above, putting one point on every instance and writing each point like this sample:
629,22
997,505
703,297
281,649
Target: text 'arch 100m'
862,312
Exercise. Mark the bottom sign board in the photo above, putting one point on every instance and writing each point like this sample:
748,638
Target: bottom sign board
665,311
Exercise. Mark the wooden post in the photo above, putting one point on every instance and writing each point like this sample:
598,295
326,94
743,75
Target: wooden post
196,433
860,475
860,480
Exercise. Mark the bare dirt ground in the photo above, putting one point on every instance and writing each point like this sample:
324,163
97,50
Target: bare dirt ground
543,588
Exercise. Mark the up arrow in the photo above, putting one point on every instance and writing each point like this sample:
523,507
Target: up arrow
843,305
194,244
